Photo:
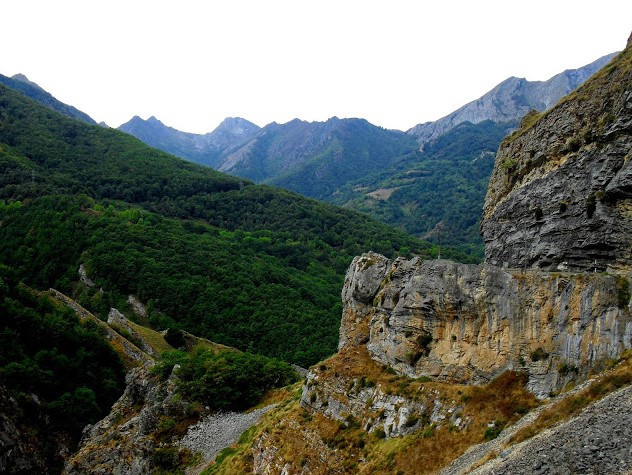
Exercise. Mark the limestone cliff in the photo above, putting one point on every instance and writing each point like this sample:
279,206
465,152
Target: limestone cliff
469,323
561,191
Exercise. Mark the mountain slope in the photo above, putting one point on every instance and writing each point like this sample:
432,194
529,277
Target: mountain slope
20,83
316,158
205,149
510,100
437,193
246,265
435,357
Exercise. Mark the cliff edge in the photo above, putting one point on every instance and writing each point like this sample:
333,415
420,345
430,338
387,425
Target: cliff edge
560,195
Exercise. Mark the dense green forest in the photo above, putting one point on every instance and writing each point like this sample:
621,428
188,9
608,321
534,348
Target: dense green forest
353,149
225,380
47,354
249,266
437,193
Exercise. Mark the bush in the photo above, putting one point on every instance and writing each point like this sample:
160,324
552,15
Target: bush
228,379
623,291
538,213
565,369
539,354
591,205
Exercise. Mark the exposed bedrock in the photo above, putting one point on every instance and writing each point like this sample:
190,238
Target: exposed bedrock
469,323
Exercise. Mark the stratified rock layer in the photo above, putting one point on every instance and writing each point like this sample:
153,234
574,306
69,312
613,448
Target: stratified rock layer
469,323
561,191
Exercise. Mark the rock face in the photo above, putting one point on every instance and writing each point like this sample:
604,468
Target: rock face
29,442
122,442
510,101
561,191
470,323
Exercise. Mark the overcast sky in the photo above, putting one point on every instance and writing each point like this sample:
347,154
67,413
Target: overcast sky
396,63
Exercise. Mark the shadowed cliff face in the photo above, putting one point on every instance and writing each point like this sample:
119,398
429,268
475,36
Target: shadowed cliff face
467,323
561,190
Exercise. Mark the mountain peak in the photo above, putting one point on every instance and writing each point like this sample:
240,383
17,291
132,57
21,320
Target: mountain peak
235,126
22,78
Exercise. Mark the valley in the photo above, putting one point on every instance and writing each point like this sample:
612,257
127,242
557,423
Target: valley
321,297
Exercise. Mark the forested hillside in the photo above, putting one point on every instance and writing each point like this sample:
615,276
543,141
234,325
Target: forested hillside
438,192
250,266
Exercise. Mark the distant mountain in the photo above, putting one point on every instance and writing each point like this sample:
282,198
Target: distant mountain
21,83
436,192
316,158
205,149
511,100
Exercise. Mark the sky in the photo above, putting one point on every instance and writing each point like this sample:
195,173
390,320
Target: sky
396,63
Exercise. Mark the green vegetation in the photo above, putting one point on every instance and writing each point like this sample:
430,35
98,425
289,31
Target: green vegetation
226,379
539,354
355,149
249,266
623,291
440,191
47,352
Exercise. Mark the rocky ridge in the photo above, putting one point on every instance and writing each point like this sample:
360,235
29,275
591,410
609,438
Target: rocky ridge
510,100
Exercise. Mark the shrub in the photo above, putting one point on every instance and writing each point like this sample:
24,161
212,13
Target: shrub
563,206
623,291
423,342
539,354
538,213
591,205
226,379
565,369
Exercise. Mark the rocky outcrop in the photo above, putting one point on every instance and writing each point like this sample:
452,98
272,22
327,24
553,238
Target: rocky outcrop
130,353
560,195
348,399
470,323
119,322
29,442
83,276
123,442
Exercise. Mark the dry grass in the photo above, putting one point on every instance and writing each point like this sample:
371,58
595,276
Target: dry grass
151,337
382,193
306,439
504,400
570,406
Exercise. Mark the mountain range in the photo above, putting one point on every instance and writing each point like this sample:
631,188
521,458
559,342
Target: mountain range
429,181
205,149
150,307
